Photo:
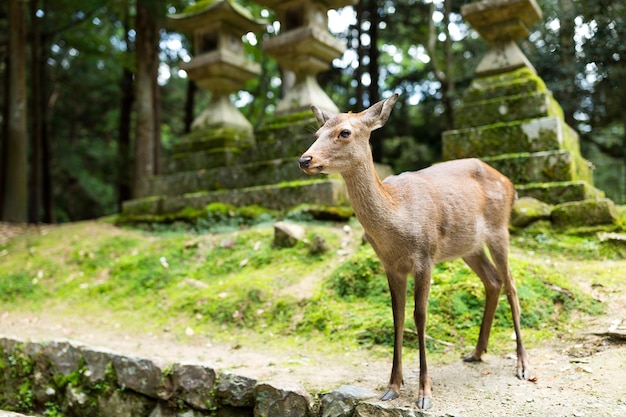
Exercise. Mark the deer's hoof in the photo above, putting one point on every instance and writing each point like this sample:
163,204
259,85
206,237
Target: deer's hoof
471,358
389,395
424,403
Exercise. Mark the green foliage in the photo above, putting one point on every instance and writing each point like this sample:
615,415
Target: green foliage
360,277
17,285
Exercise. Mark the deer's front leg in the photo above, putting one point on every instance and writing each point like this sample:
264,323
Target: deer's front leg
397,287
422,288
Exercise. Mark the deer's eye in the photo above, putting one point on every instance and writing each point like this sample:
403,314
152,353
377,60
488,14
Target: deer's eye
345,133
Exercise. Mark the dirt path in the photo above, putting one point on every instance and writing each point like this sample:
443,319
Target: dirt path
592,385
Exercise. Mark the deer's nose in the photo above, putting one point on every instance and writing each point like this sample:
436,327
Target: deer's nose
305,162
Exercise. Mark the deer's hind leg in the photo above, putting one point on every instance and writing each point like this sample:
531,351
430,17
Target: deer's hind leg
488,274
499,252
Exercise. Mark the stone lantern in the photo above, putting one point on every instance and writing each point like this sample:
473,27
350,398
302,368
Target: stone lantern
501,23
219,64
305,47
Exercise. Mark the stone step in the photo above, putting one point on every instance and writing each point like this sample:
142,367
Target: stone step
206,139
535,135
222,178
542,167
507,109
513,83
292,146
560,192
326,192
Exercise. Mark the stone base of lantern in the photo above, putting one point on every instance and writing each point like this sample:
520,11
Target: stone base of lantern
512,122
262,172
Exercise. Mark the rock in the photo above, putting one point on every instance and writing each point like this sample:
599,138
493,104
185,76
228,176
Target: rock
142,376
341,402
283,401
75,397
379,409
195,384
318,245
527,210
123,403
585,213
96,361
63,356
236,390
286,235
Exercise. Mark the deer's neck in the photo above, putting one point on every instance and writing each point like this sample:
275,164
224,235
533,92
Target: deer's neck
370,198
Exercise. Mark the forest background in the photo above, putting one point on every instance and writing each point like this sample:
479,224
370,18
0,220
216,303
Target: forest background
89,88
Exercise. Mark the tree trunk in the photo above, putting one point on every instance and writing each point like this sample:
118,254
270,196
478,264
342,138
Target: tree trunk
127,97
145,45
358,73
374,96
37,94
156,109
190,101
14,207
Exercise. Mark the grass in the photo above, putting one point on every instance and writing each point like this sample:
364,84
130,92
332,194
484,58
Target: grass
236,282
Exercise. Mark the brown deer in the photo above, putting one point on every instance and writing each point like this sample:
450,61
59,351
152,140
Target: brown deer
416,219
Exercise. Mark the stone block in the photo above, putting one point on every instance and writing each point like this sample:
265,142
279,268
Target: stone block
145,205
205,159
275,196
535,135
236,390
226,178
549,166
383,409
123,403
63,356
527,210
519,82
206,139
585,213
341,402
559,192
506,109
97,362
281,400
195,385
143,376
287,235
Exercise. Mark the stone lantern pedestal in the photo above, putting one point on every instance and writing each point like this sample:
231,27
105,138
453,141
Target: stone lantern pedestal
509,119
306,48
501,23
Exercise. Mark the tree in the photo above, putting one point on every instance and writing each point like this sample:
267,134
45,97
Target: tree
14,207
147,143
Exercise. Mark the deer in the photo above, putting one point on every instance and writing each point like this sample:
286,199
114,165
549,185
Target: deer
414,220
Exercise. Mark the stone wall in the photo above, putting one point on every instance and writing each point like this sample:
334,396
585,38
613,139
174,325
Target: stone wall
62,378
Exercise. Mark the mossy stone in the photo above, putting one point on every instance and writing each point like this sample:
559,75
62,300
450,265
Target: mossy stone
585,213
527,210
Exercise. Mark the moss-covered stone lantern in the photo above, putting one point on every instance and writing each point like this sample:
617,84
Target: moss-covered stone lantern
306,48
219,64
501,23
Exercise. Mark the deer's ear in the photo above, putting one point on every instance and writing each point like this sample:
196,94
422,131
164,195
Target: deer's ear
321,115
377,115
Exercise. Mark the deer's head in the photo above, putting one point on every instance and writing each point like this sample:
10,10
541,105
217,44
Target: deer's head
342,141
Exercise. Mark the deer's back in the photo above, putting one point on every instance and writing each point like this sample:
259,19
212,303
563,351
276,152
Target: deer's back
456,205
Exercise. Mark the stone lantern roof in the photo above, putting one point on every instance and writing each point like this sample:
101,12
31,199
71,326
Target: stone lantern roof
205,13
